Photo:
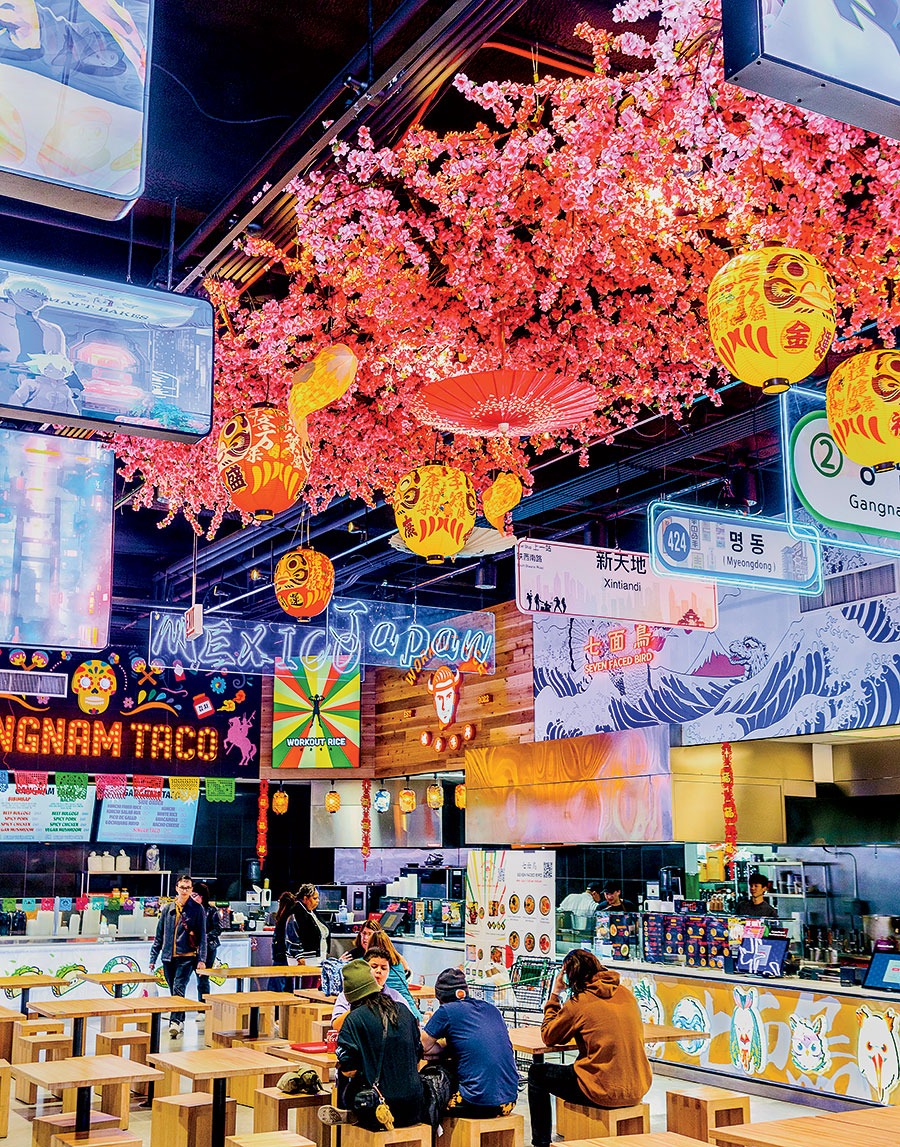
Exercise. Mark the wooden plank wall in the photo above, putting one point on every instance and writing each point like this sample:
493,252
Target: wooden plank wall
508,716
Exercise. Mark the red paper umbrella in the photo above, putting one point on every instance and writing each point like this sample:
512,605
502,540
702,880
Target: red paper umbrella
492,403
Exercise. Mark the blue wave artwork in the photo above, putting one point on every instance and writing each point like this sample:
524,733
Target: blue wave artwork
777,665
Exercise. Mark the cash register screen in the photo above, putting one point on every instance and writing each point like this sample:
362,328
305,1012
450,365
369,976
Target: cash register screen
761,956
883,972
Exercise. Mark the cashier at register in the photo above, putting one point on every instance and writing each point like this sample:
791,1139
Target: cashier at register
757,904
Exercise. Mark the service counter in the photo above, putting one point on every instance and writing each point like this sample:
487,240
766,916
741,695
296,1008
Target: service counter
805,1034
52,956
428,957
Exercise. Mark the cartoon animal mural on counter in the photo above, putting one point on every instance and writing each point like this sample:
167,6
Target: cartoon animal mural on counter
809,1045
690,1014
651,1009
748,1041
877,1051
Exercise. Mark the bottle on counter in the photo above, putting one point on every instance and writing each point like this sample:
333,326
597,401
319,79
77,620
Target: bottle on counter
152,858
123,861
342,913
107,862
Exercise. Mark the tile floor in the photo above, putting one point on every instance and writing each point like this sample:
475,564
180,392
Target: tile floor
21,1116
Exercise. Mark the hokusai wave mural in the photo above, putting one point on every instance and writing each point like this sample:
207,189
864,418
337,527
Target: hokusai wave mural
768,670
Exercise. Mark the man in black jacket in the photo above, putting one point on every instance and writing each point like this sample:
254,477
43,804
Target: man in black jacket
181,939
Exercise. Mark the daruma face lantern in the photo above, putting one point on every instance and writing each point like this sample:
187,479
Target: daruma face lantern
434,507
772,316
263,460
863,407
322,381
304,583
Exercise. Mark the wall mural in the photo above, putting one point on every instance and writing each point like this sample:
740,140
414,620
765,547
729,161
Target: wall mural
778,665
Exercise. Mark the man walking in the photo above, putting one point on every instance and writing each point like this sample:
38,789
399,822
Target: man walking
181,940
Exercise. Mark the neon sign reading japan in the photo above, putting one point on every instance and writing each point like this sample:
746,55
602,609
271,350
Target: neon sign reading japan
355,633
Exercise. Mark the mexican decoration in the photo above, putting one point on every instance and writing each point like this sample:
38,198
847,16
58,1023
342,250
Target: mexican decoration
332,801
444,685
772,316
365,801
321,382
503,495
435,507
863,407
262,822
315,717
263,460
729,808
304,583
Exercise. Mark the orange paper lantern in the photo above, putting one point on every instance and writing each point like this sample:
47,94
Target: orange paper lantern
280,802
434,795
435,511
499,498
772,316
459,796
333,801
863,407
263,460
321,382
304,583
406,800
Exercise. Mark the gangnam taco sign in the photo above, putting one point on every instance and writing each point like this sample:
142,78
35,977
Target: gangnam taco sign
119,713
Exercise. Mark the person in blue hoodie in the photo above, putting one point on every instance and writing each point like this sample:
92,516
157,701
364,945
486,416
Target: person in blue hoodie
181,941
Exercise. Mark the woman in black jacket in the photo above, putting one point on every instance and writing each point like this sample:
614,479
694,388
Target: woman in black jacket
305,935
213,934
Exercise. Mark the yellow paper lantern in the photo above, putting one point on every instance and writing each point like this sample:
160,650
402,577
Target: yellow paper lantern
772,316
304,583
434,795
406,800
333,801
459,796
322,381
863,407
263,460
280,802
503,495
434,507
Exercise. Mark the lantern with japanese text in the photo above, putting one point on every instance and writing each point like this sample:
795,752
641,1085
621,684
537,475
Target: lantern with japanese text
263,460
406,799
863,406
435,511
459,796
304,583
434,795
321,382
332,801
772,316
503,495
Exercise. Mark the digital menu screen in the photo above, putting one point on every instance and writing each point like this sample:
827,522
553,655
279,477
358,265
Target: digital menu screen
44,816
130,821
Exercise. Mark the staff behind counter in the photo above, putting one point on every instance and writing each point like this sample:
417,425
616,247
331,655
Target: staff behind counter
757,904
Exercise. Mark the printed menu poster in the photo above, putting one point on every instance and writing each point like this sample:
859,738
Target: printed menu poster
44,816
510,909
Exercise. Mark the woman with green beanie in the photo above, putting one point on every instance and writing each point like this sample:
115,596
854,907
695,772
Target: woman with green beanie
378,1048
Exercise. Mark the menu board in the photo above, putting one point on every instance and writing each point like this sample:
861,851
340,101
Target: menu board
44,816
127,820
510,909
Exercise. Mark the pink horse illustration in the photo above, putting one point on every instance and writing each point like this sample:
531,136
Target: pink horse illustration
237,738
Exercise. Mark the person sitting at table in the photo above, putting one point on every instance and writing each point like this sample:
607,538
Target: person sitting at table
372,933
305,936
380,964
213,934
603,1018
472,1035
181,939
378,1047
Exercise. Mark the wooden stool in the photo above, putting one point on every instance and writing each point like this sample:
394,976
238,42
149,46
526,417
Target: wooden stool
268,1139
119,1023
45,1127
137,1044
574,1121
186,1120
31,1047
501,1131
229,1037
698,1113
419,1135
24,1028
5,1089
102,1138
272,1107
224,1016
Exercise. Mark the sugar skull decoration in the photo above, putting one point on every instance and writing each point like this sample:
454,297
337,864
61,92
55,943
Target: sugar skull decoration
772,316
443,685
863,407
503,495
94,683
263,460
321,382
304,583
435,507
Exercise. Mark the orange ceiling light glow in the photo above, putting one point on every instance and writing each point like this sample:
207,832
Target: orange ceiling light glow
434,507
772,316
304,583
321,382
263,461
863,407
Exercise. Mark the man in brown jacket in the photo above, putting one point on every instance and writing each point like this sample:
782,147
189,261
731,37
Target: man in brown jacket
604,1020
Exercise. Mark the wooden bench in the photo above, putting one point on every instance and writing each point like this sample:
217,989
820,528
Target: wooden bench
45,1127
101,1139
697,1113
575,1121
53,1046
419,1135
500,1131
186,1120
272,1108
268,1139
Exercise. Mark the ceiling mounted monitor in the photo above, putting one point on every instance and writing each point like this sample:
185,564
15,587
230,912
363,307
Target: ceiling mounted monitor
106,356
73,103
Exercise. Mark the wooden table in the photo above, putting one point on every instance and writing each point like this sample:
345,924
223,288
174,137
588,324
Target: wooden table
322,1061
219,1065
78,1011
874,1128
84,1073
8,1017
653,1139
528,1041
118,980
255,1001
266,972
314,995
26,983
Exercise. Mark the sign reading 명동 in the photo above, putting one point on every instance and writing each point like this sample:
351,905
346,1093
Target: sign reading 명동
688,541
510,909
44,816
555,577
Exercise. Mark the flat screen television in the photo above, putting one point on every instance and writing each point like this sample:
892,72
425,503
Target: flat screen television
44,816
883,972
762,956
130,821
330,899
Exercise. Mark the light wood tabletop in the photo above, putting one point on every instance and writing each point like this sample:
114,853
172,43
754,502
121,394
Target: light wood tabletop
119,980
833,1130
314,995
255,1001
653,1139
24,984
78,1011
528,1040
163,1004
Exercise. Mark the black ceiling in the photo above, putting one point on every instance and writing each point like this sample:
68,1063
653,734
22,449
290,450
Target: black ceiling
239,92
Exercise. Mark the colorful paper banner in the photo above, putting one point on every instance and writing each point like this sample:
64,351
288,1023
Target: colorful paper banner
72,786
184,788
111,785
147,788
30,783
220,789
